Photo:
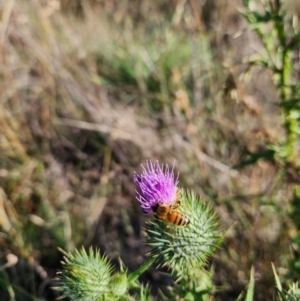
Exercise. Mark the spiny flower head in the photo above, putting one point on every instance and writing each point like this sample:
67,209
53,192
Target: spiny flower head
157,185
184,249
90,277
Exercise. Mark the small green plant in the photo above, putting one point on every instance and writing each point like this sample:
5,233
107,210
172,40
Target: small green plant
276,24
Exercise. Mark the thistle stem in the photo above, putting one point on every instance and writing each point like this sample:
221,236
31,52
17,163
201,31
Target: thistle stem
135,275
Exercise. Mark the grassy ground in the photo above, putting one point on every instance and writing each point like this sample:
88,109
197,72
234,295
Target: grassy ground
89,91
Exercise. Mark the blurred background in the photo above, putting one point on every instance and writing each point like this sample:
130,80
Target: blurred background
91,89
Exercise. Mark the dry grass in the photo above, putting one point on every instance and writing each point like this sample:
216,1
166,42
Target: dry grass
86,98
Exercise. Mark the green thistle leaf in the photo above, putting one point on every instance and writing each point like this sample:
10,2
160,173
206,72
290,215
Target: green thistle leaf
185,247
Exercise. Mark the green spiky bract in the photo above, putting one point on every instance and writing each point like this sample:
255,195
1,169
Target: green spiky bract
88,277
184,248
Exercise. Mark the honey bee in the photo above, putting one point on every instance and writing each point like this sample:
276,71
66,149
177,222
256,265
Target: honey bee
168,213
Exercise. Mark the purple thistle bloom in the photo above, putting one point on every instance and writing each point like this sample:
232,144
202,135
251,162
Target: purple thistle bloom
157,185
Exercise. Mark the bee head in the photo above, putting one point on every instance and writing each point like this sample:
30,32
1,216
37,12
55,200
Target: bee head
154,208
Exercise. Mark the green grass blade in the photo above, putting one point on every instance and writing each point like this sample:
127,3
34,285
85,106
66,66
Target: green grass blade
250,291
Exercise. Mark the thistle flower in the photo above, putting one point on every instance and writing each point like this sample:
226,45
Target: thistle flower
90,277
182,246
157,185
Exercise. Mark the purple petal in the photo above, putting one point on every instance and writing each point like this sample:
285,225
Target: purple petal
157,185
